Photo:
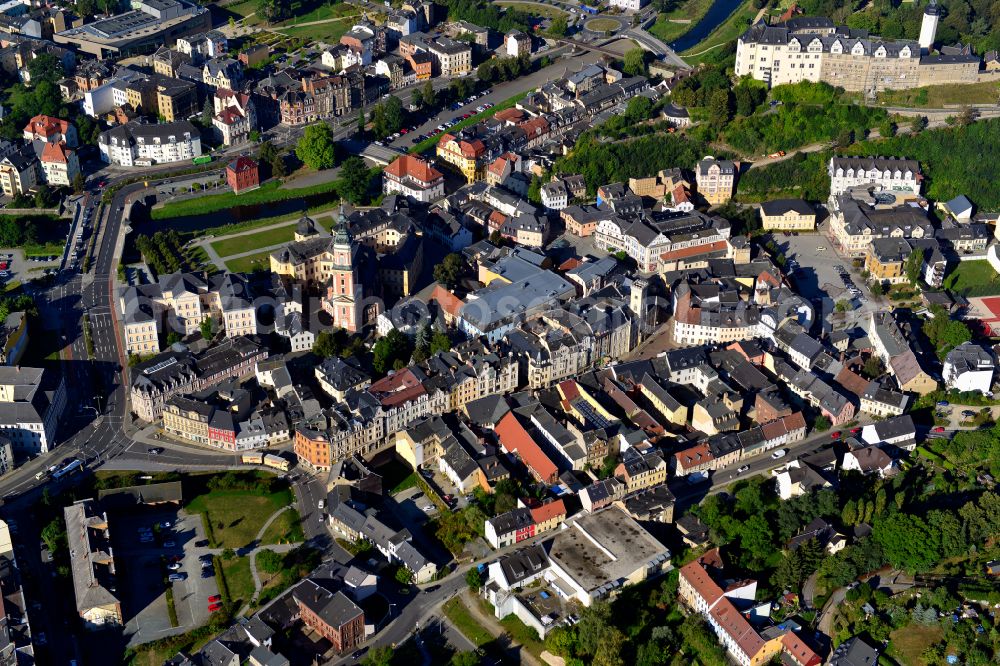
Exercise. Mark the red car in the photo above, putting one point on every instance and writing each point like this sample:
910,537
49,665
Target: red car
214,607
939,429
467,115
404,131
835,435
215,598
855,431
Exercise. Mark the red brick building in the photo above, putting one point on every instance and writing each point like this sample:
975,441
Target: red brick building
242,174
313,448
330,614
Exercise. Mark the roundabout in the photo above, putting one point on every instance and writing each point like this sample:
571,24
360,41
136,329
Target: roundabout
603,25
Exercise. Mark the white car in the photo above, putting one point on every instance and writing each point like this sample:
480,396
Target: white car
174,566
780,453
745,468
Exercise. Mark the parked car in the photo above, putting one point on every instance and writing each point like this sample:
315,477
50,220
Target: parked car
174,566
215,598
835,434
939,429
744,468
178,576
214,607
780,453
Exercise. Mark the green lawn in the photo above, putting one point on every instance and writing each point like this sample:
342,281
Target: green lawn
286,528
545,11
936,97
243,8
408,482
44,249
245,243
601,24
235,516
253,262
692,9
977,276
523,634
323,12
239,580
459,616
266,193
323,32
730,29
197,256
430,142
909,643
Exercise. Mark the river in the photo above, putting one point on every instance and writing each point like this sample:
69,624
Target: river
716,15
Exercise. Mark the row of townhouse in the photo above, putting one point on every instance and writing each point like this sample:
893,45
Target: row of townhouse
724,449
524,522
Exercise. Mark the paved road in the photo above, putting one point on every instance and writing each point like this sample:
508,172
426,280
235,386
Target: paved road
504,91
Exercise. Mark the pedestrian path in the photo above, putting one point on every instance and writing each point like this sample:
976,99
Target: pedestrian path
278,548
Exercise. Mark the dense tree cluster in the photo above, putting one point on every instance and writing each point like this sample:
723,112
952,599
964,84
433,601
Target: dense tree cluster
316,148
18,231
601,163
944,332
391,352
503,69
429,342
337,342
802,176
798,123
487,15
387,117
162,252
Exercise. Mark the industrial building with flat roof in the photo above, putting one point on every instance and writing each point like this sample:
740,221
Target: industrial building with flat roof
152,24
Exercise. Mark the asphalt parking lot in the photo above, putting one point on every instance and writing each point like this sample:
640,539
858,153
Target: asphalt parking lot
818,275
144,567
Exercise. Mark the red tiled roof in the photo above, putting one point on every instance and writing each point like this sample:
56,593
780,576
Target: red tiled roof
799,651
448,301
698,454
46,126
569,390
773,429
712,558
473,148
729,620
697,577
241,164
497,220
548,511
794,422
852,382
398,388
230,115
535,127
568,265
500,163
54,152
694,251
515,439
414,167
510,115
